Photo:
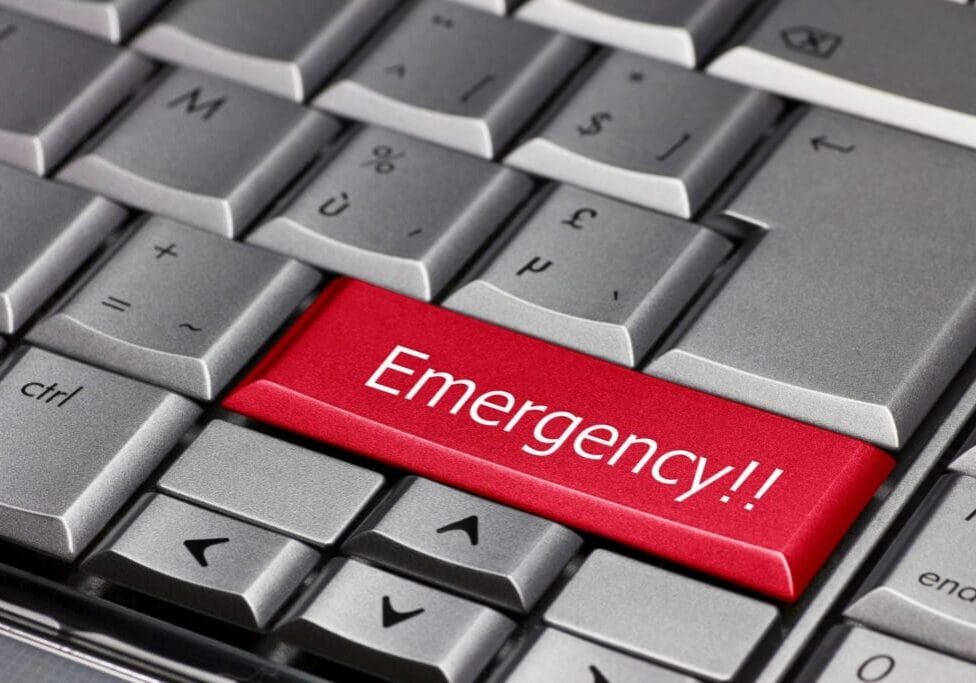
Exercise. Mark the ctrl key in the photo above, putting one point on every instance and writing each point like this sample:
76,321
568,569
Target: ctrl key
76,443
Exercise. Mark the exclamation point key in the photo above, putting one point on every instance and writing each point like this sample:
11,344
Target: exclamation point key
77,442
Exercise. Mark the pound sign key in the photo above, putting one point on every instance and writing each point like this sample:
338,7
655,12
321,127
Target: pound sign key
578,215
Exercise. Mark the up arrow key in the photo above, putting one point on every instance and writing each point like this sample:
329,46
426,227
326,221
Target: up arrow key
468,525
198,548
392,617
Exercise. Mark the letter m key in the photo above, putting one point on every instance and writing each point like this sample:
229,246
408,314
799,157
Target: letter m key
193,103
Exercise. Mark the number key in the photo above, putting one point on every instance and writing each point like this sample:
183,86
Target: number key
863,656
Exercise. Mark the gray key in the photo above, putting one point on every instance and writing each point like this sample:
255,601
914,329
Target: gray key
966,462
679,31
25,657
474,546
864,655
286,47
57,85
111,20
48,230
302,493
203,561
77,442
926,590
669,618
850,311
395,211
558,656
394,628
493,6
178,307
456,76
228,151
592,273
865,58
649,132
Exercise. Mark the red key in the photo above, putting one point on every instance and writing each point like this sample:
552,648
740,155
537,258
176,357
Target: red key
745,495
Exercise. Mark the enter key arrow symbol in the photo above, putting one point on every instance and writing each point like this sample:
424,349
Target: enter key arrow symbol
824,142
198,548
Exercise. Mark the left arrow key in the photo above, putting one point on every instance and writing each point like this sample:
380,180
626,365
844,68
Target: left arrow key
203,561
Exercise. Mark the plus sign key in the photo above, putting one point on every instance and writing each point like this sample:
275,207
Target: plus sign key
178,307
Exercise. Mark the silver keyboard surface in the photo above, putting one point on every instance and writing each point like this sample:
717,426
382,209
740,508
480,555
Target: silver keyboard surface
767,200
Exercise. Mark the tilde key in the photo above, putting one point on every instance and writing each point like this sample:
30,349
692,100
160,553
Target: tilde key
752,497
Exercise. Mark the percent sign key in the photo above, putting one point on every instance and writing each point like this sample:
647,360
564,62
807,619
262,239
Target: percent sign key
384,159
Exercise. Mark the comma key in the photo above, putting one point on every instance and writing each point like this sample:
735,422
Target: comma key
51,499
57,86
745,495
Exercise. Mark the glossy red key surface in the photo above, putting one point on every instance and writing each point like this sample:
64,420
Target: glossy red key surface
745,495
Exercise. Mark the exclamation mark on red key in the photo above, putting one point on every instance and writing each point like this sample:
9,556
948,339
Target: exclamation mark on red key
749,469
768,484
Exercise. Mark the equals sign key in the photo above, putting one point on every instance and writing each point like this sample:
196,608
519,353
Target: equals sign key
116,304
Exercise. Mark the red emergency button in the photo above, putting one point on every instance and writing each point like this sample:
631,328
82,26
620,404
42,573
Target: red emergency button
745,495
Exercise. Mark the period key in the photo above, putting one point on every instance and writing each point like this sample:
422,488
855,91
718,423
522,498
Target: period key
745,495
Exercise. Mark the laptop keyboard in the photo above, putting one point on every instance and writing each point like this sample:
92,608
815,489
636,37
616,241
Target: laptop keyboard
475,341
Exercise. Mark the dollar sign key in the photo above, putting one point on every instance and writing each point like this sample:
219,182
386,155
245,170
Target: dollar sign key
595,127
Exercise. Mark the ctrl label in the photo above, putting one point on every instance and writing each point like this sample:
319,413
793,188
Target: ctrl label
50,393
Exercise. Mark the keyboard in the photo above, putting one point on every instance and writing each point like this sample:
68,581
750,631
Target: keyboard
484,341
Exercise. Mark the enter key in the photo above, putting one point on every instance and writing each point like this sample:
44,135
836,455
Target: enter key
925,590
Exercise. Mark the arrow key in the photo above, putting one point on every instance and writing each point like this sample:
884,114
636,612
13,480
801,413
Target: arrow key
392,627
558,656
480,548
203,561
